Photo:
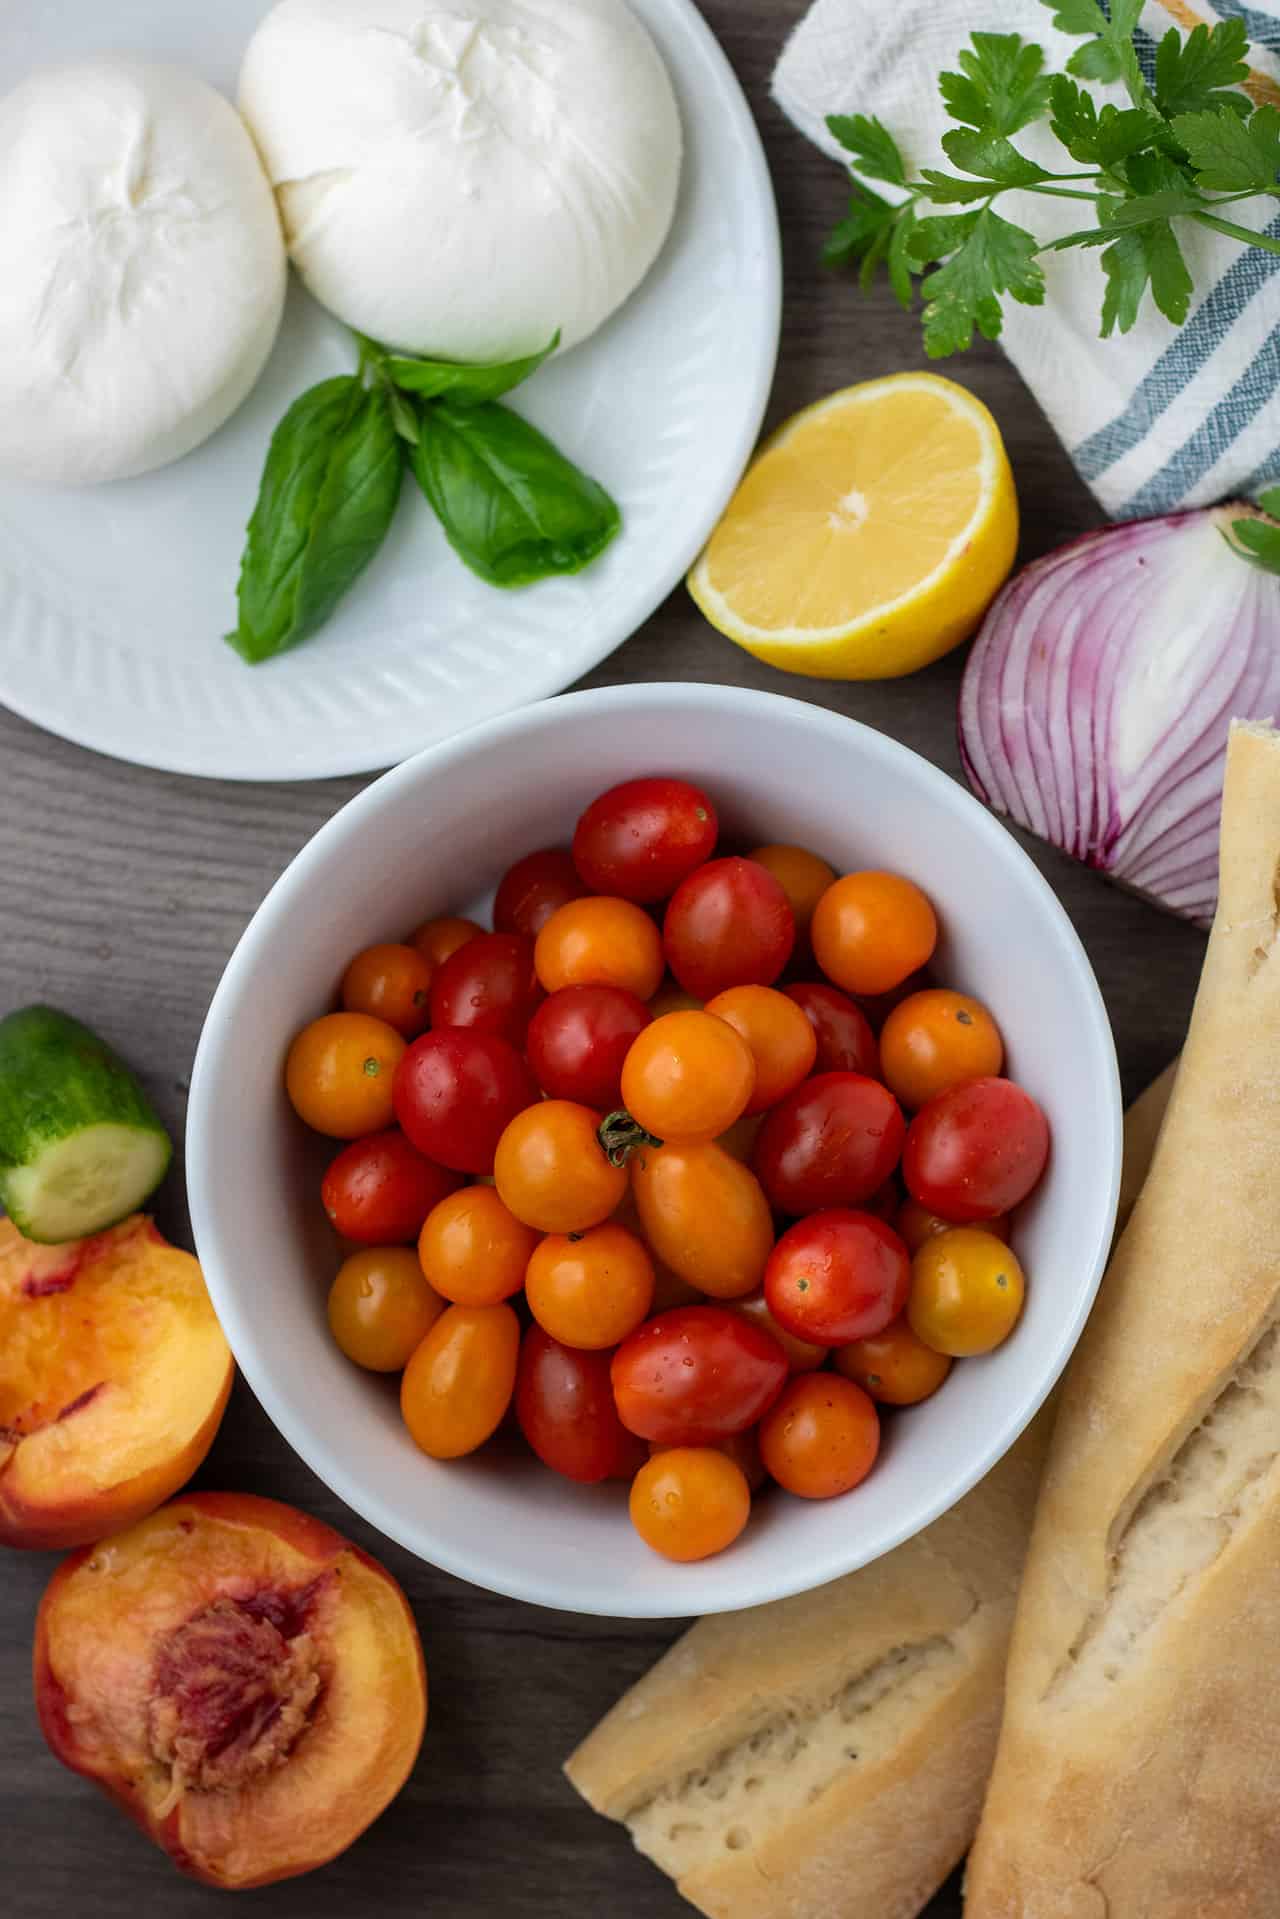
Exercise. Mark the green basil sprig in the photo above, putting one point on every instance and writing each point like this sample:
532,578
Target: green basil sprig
512,507
328,495
466,383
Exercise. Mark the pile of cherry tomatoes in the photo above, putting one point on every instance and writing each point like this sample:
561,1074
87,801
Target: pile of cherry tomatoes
608,1177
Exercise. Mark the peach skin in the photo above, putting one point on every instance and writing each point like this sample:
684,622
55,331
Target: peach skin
242,1681
114,1375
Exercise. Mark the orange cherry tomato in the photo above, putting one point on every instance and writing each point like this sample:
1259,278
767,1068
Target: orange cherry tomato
381,1308
742,1448
473,1249
894,1366
600,941
437,940
704,1215
801,1356
915,1224
551,1169
967,1290
672,998
935,1040
870,930
459,1382
783,1044
688,1076
803,877
391,983
339,1074
690,1502
821,1436
589,1290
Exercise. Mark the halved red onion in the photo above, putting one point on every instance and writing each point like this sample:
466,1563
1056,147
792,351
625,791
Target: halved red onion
1099,691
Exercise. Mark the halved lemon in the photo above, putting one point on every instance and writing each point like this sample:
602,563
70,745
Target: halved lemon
869,535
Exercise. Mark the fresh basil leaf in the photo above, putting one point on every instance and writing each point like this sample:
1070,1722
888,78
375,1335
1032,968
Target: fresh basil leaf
328,494
874,149
512,506
994,257
403,417
1269,501
466,383
1231,155
1202,72
991,157
1000,87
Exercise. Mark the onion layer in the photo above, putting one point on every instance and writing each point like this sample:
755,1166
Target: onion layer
1100,689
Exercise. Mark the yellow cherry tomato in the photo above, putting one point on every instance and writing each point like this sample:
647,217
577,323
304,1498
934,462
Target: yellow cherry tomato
589,1290
339,1072
381,1308
967,1289
688,1076
690,1502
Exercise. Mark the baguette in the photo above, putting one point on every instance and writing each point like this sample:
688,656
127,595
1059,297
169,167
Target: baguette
1138,1771
828,1753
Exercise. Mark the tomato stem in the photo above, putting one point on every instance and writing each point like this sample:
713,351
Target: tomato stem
620,1136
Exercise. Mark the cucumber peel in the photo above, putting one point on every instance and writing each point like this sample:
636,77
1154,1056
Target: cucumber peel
81,1146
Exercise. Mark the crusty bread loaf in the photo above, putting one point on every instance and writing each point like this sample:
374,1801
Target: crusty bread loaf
827,1755
1138,1774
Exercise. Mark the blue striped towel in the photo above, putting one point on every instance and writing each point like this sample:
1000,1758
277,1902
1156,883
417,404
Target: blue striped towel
1155,419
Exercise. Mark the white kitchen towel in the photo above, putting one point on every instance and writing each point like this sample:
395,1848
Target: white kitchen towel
1154,419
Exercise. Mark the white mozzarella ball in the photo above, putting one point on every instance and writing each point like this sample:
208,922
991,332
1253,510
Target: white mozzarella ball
460,178
142,269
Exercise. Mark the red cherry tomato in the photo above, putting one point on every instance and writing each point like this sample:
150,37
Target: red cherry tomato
837,1276
564,1403
975,1151
534,888
695,1374
846,1043
830,1143
728,924
640,839
488,985
455,1093
578,1039
379,1190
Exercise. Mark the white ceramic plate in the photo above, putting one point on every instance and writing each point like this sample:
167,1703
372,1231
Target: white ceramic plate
114,600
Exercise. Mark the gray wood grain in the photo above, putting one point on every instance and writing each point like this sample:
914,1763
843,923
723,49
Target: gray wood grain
123,892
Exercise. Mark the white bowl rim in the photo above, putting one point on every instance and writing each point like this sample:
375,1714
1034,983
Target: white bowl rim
269,922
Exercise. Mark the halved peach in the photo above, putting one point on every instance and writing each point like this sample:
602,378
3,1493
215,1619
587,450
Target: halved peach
114,1374
243,1682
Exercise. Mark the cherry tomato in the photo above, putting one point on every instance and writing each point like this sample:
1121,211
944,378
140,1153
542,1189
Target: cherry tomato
884,1203
640,839
728,924
846,1043
704,1215
533,889
390,983
895,1367
830,1143
740,1140
455,1093
437,939
975,1151
379,1190
871,929
578,1040
488,985
564,1403
783,1044
551,1169
688,1076
742,1448
802,1356
803,877
822,1437
837,1276
381,1308
915,1224
339,1074
695,1374
473,1249
459,1382
591,1289
935,1040
672,998
600,942
690,1502
967,1290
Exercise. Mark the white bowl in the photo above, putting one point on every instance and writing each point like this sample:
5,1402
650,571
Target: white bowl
428,838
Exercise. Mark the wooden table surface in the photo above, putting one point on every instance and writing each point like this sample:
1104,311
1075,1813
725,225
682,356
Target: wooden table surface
123,893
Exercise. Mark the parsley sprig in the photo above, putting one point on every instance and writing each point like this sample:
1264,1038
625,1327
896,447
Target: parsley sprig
1188,145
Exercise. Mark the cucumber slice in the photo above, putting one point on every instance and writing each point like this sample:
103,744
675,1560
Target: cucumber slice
81,1145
